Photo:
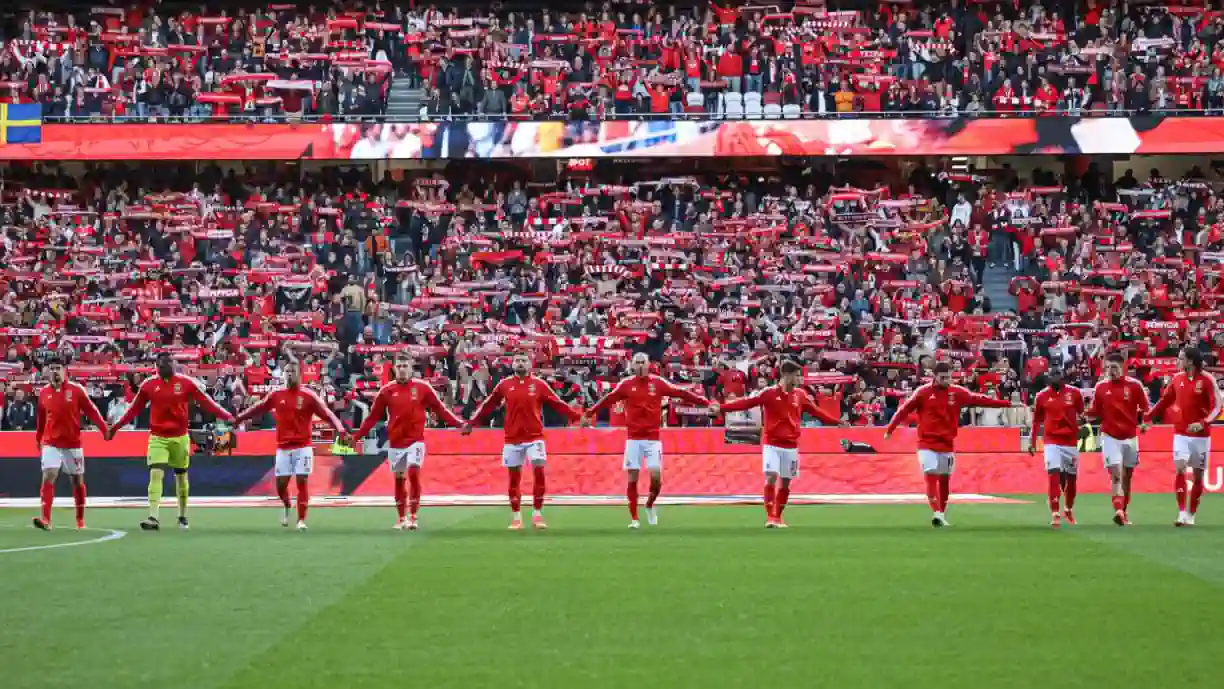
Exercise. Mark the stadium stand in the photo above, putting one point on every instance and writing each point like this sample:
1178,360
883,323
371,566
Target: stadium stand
237,273
620,59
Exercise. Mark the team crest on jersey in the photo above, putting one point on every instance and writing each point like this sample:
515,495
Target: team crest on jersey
413,394
1068,398
1198,386
650,389
1125,394
178,388
531,389
300,402
67,395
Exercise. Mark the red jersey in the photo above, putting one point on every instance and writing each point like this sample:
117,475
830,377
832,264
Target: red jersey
294,409
783,412
524,398
939,414
643,398
169,399
1197,399
59,416
1059,410
1119,404
733,382
407,404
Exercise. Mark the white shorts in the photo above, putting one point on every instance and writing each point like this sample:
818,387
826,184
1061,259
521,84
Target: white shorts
933,462
783,461
68,460
400,458
648,451
297,462
1062,458
1120,452
517,455
1192,451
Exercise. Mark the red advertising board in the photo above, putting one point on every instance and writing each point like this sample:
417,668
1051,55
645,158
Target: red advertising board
655,138
699,462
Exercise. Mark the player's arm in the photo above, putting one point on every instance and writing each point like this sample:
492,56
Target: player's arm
1167,397
40,424
972,399
255,410
617,394
809,406
138,404
324,412
486,407
208,403
907,407
91,412
434,404
550,398
377,411
1213,409
1038,419
680,393
743,404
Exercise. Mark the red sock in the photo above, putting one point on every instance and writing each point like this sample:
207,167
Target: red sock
282,491
78,499
1119,503
769,499
1054,489
783,496
47,494
632,493
414,491
401,497
1196,494
303,498
945,490
1179,487
516,495
1069,491
655,487
932,487
537,488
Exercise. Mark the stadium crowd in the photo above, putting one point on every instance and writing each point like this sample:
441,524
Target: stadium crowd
789,58
237,274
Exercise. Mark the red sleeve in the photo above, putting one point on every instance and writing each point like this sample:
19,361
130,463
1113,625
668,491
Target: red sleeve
91,411
908,407
488,405
744,403
550,397
1167,397
1038,413
617,394
254,410
208,403
138,405
323,412
1213,411
972,399
41,417
376,414
434,404
821,415
681,394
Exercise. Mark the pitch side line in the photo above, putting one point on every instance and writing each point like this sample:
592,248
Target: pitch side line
111,535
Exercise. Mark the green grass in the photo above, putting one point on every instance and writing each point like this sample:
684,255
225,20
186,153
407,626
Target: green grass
849,597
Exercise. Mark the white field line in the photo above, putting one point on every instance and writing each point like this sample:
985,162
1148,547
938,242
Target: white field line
108,535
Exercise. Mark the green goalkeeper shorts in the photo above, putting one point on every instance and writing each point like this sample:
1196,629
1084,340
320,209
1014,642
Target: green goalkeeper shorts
174,452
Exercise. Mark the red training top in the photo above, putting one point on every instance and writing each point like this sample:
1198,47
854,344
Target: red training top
524,398
294,409
783,412
169,399
407,404
939,414
59,416
1119,404
1060,411
643,397
1197,399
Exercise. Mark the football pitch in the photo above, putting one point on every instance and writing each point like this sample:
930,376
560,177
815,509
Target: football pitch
849,596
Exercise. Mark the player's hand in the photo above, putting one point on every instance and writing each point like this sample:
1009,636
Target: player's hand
1195,427
887,435
715,409
844,424
466,429
1143,427
585,421
1032,449
108,434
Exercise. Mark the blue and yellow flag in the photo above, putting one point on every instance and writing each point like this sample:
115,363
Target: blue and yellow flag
21,124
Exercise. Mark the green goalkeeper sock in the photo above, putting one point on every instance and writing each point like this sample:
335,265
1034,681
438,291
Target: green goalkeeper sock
155,491
181,488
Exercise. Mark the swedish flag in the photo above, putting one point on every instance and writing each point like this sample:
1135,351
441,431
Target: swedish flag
21,124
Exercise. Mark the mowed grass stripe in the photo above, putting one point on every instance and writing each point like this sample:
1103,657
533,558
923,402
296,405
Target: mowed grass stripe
853,596
181,609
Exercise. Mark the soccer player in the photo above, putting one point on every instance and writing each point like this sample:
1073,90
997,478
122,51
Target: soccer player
783,406
406,401
58,436
643,395
524,396
1120,402
168,395
938,405
295,408
1198,401
1059,407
